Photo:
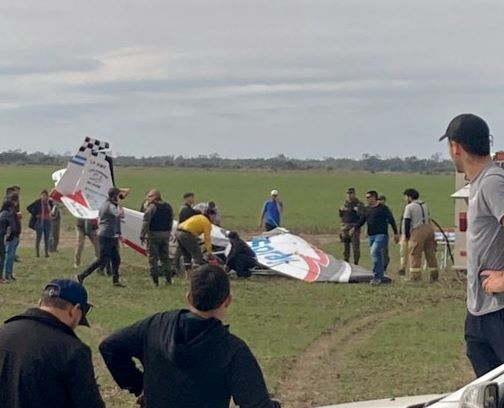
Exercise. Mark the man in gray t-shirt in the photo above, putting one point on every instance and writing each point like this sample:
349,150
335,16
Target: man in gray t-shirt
469,147
109,231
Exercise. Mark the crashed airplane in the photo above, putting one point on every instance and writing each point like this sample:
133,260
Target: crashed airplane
82,187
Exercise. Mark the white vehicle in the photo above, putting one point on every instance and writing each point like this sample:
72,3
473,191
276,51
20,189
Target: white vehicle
484,392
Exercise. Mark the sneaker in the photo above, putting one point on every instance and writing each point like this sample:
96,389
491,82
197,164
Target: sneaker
76,265
4,281
79,279
12,278
118,285
17,259
375,282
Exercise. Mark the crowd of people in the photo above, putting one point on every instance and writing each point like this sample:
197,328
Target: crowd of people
188,357
415,234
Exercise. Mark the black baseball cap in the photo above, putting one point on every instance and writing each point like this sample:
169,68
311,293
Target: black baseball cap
465,127
71,291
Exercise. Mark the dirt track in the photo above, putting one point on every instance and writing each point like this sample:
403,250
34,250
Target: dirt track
319,364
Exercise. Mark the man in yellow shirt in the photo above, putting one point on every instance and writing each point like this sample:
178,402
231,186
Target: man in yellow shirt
187,236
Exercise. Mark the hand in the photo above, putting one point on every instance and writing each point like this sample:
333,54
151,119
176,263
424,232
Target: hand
351,231
141,401
396,238
142,240
493,281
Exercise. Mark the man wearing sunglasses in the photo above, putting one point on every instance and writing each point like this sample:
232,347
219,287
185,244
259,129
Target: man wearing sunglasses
43,363
377,216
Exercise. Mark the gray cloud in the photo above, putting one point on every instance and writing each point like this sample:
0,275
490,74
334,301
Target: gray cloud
45,65
308,78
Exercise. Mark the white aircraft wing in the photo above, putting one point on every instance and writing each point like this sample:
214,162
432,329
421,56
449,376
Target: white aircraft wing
291,255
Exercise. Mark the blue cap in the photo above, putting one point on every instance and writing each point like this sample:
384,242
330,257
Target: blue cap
71,291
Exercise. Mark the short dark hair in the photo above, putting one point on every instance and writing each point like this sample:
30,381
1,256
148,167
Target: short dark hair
113,192
412,193
373,193
187,195
211,204
233,235
209,287
44,192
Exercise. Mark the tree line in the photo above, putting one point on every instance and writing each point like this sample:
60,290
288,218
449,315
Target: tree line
368,162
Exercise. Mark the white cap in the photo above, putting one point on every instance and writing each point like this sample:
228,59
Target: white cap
274,192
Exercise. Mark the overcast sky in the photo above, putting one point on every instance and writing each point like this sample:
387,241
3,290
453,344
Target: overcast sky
256,78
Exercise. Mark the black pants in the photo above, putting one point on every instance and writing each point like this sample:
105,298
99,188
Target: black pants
109,253
242,264
483,336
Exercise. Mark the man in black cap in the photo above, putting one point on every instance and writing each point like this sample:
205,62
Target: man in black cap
350,213
43,364
469,146
189,357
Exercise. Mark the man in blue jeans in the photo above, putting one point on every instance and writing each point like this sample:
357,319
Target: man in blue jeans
377,217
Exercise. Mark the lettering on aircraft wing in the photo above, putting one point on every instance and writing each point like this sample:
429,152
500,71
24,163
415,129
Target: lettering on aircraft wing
262,248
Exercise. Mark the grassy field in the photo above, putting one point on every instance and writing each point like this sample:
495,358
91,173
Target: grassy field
317,343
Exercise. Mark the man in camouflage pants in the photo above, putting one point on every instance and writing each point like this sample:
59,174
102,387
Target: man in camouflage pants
350,213
156,229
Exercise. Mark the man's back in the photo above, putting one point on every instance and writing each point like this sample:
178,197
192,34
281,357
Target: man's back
44,364
188,361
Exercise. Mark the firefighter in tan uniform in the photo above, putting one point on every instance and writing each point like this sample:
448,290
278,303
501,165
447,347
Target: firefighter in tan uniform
419,234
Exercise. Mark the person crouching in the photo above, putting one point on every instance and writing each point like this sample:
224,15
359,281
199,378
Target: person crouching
241,258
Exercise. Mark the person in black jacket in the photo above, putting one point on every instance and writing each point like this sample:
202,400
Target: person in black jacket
377,216
241,258
189,357
186,210
43,364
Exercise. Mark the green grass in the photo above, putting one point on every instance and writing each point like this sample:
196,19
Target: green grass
414,346
418,349
311,198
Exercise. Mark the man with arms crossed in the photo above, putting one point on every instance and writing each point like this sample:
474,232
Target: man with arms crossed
469,146
189,357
